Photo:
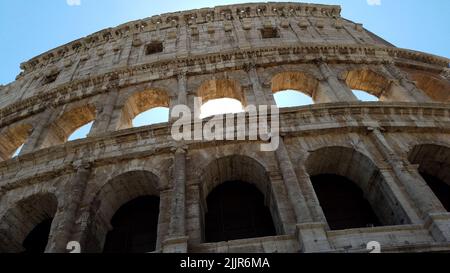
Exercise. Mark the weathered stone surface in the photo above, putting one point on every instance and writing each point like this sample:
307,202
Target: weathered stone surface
111,76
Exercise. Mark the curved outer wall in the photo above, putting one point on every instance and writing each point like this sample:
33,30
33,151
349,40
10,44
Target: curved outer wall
248,52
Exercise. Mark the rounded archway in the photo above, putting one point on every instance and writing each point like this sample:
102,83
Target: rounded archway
236,210
220,88
366,80
220,96
125,214
434,167
69,122
239,202
25,227
294,88
353,175
343,202
144,102
11,139
134,227
433,85
220,107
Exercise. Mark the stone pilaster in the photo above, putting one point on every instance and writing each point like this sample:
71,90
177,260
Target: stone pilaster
240,34
181,98
338,89
312,201
295,194
64,221
38,132
182,41
194,213
105,113
426,202
182,88
258,91
177,239
408,87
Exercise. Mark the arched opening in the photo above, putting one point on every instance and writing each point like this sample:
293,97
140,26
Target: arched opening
12,139
220,107
153,116
222,96
292,89
81,132
434,166
340,173
292,98
124,213
17,152
343,203
364,96
433,85
69,122
239,202
134,227
37,239
145,108
374,84
25,227
236,210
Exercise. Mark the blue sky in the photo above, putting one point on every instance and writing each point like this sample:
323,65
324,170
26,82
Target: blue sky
31,27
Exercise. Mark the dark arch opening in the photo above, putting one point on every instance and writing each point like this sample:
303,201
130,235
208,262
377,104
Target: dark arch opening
439,187
343,203
37,239
434,166
236,210
135,227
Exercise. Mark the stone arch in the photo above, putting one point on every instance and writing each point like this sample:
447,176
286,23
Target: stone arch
220,88
367,80
231,168
11,138
140,102
434,166
295,80
22,217
239,169
61,129
433,85
117,192
363,172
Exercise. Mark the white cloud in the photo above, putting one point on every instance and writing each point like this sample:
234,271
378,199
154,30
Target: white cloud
374,2
73,2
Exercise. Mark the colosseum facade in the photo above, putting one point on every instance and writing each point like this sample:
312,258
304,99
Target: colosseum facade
345,173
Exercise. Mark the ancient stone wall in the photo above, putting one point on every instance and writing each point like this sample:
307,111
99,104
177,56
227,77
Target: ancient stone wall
247,52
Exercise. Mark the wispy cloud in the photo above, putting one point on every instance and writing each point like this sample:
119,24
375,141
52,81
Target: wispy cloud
73,2
374,2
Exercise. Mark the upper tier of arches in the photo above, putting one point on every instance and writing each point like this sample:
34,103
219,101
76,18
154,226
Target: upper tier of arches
117,108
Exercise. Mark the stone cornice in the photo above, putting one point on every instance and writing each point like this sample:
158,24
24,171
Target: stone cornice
320,118
305,53
198,16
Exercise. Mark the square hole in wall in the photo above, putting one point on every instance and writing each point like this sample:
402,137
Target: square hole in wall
270,32
50,78
153,48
